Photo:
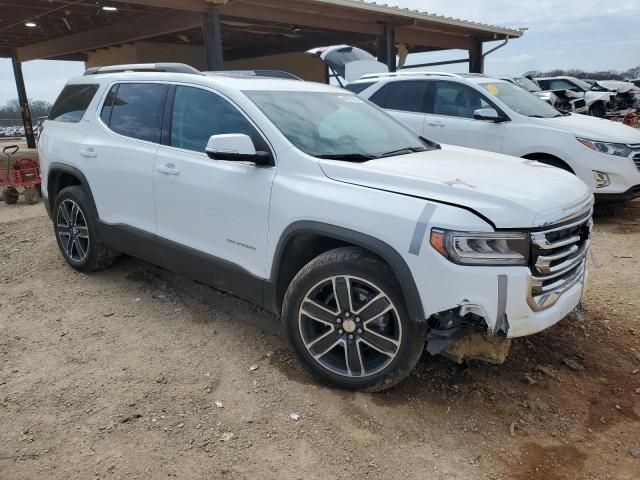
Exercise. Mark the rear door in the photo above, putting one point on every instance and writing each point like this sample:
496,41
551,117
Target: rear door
120,152
404,100
450,119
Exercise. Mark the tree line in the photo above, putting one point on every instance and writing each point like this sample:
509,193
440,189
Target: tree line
11,111
631,74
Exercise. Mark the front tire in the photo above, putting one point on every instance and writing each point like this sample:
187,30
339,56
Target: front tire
346,319
75,223
597,110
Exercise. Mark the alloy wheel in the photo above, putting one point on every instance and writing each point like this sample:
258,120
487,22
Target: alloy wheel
350,326
72,230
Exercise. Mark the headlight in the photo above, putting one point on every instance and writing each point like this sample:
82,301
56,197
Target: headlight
470,248
617,149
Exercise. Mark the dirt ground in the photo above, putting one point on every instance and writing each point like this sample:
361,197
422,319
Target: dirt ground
120,374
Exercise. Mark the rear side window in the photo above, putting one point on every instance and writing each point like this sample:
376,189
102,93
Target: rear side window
380,96
72,103
407,96
135,110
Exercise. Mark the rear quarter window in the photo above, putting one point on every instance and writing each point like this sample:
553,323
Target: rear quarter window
72,103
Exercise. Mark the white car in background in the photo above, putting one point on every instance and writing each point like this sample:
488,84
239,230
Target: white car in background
598,101
495,115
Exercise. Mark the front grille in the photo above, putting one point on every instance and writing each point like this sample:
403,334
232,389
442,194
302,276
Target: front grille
636,160
558,259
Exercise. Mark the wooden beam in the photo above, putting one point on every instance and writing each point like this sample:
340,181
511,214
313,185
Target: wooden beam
200,6
423,38
138,29
288,15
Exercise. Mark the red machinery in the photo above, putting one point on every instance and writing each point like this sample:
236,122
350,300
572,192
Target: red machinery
22,174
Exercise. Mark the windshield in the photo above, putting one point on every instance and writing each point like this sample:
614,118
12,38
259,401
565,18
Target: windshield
527,84
521,101
334,125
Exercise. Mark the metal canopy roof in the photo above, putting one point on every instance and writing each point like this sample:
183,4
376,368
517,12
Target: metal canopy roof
71,28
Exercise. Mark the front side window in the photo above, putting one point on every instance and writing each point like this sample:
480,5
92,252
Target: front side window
406,96
72,103
334,125
135,110
457,100
198,114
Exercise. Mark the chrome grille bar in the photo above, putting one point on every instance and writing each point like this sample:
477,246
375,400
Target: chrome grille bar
558,260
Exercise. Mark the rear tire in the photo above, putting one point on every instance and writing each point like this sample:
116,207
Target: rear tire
75,221
346,319
10,195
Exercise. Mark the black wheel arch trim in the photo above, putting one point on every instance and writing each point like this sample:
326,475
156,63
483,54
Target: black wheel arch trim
65,168
359,239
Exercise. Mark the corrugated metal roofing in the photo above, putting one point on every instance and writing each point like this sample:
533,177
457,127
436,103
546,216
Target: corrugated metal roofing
420,15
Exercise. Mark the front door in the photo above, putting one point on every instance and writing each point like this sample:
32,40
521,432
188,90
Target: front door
450,118
212,215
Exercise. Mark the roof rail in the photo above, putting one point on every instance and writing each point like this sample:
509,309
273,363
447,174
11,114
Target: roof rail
144,67
407,74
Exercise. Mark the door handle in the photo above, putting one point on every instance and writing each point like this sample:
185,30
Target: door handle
435,123
169,169
89,153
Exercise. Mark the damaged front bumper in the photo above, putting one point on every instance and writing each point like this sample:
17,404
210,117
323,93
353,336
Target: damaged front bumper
527,300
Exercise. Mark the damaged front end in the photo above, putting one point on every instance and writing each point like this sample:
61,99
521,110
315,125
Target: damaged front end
462,334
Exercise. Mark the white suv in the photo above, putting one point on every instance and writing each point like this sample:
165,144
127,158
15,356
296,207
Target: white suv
495,115
365,239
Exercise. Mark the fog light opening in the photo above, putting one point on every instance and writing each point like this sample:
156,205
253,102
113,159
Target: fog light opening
601,179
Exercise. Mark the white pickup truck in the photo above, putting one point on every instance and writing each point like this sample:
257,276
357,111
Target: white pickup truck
368,241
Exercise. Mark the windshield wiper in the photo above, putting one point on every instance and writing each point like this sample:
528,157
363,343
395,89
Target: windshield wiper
350,157
402,151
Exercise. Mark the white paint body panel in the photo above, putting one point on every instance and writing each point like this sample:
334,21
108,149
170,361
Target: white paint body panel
522,136
209,202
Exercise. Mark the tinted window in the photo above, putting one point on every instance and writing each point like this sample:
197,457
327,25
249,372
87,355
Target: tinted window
105,114
198,114
561,84
380,96
457,100
137,110
406,96
72,103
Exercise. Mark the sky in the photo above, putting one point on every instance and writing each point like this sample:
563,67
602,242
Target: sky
584,34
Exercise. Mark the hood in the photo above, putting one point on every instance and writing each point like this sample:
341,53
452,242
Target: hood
510,192
616,85
593,128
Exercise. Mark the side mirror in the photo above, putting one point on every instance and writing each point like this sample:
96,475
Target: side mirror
487,114
235,147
